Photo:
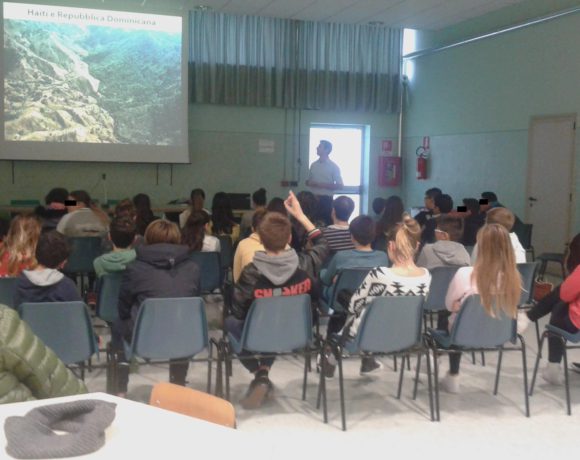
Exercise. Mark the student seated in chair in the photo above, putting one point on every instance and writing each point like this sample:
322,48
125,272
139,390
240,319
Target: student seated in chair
506,219
46,283
494,276
122,235
362,233
338,234
563,306
446,251
276,271
163,269
403,278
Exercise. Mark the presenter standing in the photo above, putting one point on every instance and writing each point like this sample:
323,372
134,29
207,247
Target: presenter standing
324,179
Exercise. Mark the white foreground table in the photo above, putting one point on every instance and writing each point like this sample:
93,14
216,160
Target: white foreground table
144,432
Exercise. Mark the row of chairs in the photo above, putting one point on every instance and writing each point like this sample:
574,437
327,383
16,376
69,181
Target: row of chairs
177,328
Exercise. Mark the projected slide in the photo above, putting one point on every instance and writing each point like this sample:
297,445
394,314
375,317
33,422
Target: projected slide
75,75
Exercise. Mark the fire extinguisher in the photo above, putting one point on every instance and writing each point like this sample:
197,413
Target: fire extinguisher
422,154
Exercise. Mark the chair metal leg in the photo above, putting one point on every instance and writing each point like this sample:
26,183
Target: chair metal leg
209,366
483,358
544,335
408,359
306,366
227,360
401,377
538,337
436,377
473,357
322,391
341,387
394,364
566,380
499,360
417,370
430,385
525,371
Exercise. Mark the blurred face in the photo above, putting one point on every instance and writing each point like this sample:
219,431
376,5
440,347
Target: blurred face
321,150
429,202
78,205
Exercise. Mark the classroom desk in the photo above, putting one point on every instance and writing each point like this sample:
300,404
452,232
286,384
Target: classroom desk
140,431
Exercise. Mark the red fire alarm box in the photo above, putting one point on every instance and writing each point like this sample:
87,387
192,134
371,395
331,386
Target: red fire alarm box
389,171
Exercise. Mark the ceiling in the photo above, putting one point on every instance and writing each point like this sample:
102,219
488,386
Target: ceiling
414,14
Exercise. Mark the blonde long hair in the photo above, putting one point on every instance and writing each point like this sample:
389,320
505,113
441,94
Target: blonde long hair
20,243
406,235
495,272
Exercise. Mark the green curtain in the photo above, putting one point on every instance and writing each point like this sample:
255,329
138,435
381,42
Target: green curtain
268,62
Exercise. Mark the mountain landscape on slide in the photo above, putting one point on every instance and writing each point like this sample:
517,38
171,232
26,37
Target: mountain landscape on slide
67,83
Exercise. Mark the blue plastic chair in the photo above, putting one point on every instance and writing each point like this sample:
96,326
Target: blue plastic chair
84,250
226,251
7,291
566,338
435,302
529,272
349,279
209,269
65,327
475,330
108,289
169,328
273,326
390,326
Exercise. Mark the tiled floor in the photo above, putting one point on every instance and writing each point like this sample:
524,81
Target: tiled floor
473,419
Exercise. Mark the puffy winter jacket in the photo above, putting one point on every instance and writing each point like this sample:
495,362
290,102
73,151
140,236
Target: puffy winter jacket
28,368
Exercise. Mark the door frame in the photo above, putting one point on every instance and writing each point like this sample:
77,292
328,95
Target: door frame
572,162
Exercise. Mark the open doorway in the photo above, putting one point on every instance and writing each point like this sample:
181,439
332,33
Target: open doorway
348,147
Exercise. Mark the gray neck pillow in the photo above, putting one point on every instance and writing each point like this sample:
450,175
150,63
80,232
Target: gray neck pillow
84,423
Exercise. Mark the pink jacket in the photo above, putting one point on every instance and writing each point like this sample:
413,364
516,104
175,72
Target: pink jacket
570,293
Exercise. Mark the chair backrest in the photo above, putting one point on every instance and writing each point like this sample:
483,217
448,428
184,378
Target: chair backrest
349,279
524,233
278,324
226,251
440,279
7,291
473,327
84,250
193,403
170,328
469,250
209,269
108,296
391,324
528,271
65,327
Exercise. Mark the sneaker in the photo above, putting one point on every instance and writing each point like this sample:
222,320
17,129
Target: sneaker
450,383
327,365
257,392
553,374
522,322
370,366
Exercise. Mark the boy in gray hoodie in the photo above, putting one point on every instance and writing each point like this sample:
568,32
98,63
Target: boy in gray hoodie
446,251
277,271
46,283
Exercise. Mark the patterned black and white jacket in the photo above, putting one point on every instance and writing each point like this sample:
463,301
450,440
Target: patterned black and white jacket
382,282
